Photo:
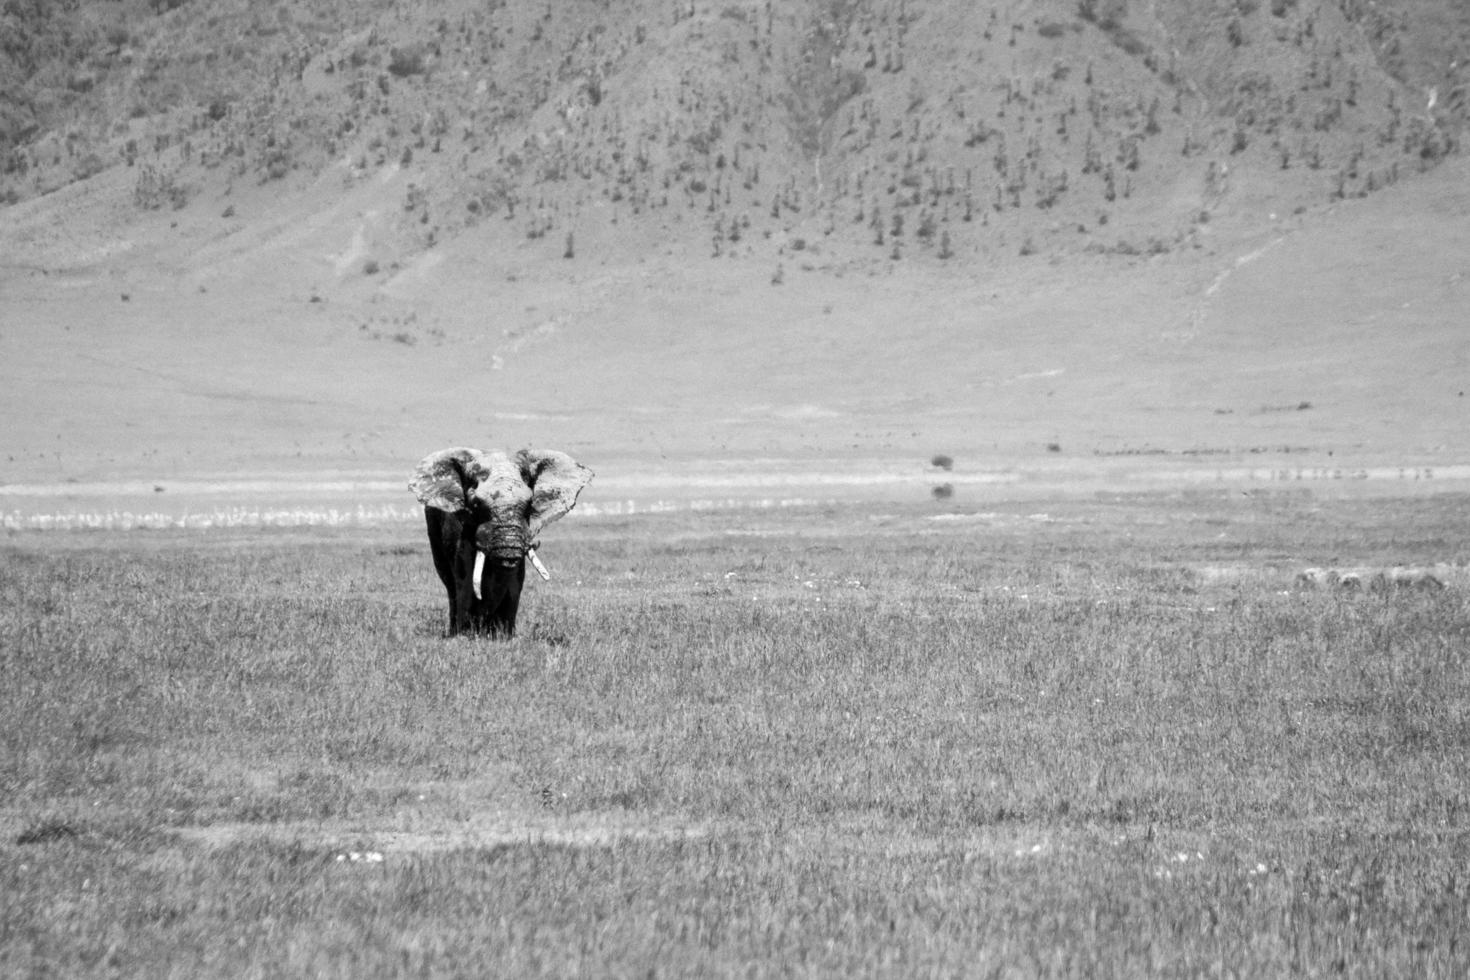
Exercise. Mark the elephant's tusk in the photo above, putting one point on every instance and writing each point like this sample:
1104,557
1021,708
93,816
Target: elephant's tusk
536,564
479,571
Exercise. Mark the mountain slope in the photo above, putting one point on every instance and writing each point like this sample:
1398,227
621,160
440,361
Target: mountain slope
864,129
1051,239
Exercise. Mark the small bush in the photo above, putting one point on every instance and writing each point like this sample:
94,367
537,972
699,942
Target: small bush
1106,14
155,188
406,61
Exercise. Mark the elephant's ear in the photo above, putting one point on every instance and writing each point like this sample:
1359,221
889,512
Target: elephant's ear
555,480
443,480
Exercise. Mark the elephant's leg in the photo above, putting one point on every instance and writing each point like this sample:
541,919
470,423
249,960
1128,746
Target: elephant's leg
453,609
503,620
466,608
447,542
463,606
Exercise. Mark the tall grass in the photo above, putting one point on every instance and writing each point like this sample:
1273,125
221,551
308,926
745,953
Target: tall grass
1109,743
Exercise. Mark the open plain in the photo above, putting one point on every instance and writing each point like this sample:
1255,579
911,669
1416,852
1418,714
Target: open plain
970,388
1106,737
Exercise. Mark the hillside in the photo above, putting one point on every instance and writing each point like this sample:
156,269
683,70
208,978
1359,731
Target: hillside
855,130
742,245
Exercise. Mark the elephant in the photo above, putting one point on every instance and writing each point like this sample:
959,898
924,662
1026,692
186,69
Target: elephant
488,509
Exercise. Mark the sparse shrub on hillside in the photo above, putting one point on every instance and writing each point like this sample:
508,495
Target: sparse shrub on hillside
407,60
156,187
88,166
1151,122
1050,190
1425,139
928,227
277,163
1106,14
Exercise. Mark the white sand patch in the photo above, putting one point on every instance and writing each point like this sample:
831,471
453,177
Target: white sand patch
577,830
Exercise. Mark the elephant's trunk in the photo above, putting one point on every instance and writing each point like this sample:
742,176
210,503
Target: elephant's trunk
504,541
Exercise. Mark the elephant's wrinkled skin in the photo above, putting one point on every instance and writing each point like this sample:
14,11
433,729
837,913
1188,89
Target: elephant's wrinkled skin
484,512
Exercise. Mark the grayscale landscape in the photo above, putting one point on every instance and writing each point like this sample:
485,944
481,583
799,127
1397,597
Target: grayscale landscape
1031,525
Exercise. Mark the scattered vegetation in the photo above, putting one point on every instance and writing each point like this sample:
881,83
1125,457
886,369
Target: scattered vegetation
751,125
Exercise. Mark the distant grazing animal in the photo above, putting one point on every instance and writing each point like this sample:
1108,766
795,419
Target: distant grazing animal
1400,577
1375,580
488,509
1313,577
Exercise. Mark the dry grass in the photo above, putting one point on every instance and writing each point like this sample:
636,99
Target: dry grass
1112,742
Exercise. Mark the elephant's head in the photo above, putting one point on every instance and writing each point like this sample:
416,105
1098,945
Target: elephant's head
505,498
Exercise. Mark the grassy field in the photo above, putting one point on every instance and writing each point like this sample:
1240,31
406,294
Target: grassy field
1068,738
